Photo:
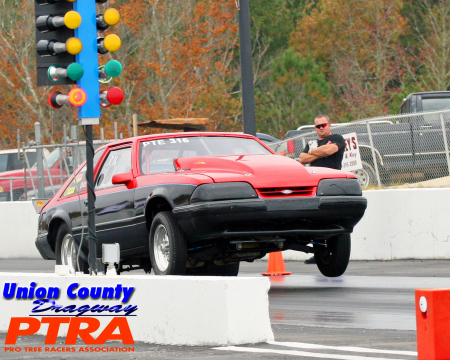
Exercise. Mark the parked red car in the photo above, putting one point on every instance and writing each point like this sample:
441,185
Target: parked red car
199,203
57,169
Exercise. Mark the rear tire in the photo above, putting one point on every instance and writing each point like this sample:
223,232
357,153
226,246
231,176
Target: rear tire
333,260
167,246
66,251
211,269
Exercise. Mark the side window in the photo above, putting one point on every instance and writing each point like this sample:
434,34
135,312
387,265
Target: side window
117,162
14,162
408,106
79,183
3,162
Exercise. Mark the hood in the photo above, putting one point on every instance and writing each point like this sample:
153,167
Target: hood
261,171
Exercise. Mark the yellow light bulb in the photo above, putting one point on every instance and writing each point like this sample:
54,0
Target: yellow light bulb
74,45
111,17
72,19
112,42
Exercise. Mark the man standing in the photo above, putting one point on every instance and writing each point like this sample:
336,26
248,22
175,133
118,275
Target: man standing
327,151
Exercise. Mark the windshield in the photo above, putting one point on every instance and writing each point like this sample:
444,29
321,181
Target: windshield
3,162
436,104
79,184
53,158
158,155
75,156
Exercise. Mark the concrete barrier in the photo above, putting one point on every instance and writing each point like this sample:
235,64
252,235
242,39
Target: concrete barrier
176,310
404,224
398,224
18,230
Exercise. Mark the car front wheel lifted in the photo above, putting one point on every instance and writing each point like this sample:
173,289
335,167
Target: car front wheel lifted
333,260
168,253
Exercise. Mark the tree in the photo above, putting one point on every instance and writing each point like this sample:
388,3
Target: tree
299,8
269,21
177,57
23,102
357,43
182,59
298,92
430,22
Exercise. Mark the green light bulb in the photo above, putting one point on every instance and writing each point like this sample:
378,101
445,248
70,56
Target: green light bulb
113,68
75,71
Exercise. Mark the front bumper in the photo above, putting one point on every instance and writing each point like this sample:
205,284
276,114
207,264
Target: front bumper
310,217
44,247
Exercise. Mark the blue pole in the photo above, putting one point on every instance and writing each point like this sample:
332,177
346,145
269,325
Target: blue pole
89,113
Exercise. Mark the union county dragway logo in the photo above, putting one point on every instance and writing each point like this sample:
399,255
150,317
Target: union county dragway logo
81,321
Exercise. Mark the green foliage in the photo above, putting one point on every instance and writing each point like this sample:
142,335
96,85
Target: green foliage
269,21
430,31
348,58
296,93
298,8
403,91
276,19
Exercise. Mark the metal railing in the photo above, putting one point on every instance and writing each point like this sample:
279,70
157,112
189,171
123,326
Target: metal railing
43,176
396,150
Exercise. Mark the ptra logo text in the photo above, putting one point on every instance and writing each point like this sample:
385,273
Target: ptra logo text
75,329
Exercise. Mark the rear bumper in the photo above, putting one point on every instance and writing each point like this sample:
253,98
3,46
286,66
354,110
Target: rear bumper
311,217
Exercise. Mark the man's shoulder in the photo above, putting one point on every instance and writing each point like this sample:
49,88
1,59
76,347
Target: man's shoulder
336,137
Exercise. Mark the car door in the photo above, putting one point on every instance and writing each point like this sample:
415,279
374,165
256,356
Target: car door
74,201
114,205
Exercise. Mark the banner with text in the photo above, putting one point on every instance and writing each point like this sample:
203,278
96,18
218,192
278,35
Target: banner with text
352,158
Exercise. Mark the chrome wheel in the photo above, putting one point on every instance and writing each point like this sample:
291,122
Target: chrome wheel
167,246
366,176
161,248
69,253
363,177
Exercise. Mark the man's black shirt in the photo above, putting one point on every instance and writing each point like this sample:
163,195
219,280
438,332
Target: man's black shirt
333,161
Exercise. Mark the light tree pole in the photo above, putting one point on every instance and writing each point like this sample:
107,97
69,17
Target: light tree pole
248,94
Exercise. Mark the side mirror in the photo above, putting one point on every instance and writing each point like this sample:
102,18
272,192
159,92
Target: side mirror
123,178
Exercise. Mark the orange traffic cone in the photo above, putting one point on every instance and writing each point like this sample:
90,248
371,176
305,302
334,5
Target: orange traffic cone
275,266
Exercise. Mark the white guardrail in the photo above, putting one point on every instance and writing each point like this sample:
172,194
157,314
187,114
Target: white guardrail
173,310
398,224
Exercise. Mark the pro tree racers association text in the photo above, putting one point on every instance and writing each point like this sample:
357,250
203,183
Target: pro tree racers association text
66,349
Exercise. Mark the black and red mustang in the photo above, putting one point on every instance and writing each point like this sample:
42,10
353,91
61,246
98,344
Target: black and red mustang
199,203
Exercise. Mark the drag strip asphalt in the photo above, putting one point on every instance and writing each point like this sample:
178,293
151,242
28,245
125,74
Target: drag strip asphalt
368,313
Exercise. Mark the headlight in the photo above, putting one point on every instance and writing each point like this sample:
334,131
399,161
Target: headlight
330,187
1,189
223,191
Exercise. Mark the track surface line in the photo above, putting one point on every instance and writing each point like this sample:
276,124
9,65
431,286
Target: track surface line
300,353
342,348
